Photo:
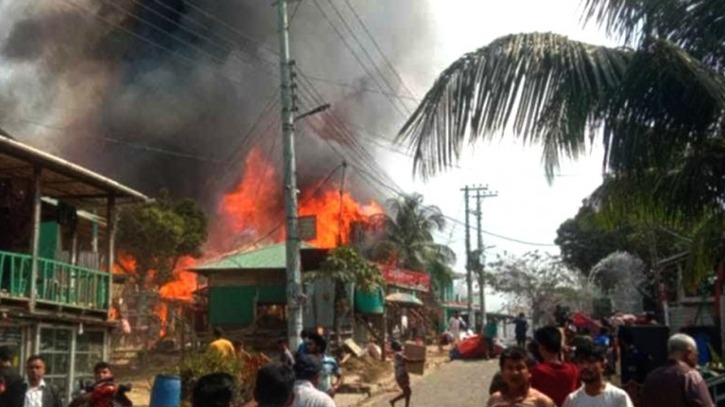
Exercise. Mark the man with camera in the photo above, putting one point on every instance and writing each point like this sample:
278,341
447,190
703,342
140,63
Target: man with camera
105,392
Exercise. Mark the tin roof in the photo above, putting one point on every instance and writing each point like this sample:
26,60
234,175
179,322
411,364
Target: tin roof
264,258
60,179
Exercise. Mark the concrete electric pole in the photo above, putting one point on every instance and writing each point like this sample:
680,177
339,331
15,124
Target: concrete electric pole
469,280
294,273
475,259
481,252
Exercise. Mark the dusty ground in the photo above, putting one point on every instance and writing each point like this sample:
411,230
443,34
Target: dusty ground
458,383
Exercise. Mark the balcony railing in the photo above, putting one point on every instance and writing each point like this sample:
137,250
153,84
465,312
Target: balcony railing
58,283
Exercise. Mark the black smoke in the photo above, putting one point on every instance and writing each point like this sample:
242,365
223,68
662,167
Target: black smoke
158,94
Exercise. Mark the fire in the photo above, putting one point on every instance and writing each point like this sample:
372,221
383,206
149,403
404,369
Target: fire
125,263
184,283
335,214
180,288
162,312
254,209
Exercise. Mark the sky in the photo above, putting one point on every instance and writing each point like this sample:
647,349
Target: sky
420,42
528,208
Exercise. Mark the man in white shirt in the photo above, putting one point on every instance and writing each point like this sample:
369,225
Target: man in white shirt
596,391
37,392
454,327
308,373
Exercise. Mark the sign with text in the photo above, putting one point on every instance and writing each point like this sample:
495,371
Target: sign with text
412,280
307,226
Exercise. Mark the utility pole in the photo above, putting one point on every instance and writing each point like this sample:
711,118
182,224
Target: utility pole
481,258
474,259
294,274
469,280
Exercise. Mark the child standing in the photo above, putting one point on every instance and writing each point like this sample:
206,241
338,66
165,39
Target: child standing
401,373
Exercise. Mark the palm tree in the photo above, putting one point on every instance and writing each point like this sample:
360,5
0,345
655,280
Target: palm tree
657,103
408,238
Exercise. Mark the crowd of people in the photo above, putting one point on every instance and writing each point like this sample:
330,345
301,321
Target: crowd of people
545,375
35,391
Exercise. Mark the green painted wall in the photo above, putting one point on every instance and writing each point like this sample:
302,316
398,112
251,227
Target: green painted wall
234,305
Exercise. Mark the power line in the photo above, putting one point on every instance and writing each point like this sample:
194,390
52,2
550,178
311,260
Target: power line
377,47
354,54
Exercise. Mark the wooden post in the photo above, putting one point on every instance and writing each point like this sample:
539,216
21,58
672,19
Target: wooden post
35,237
111,246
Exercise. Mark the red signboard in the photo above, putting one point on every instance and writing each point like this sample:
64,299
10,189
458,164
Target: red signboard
412,280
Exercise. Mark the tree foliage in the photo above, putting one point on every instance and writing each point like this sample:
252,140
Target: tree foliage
658,103
583,241
408,238
157,234
537,281
345,265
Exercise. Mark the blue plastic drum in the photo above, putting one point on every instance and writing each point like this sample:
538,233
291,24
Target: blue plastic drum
166,391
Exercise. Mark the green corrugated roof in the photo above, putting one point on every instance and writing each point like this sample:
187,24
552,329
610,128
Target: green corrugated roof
268,257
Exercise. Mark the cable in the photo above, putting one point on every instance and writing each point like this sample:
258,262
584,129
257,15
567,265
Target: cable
229,27
377,47
281,224
354,54
365,51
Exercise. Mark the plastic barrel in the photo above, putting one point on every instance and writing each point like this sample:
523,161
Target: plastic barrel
166,391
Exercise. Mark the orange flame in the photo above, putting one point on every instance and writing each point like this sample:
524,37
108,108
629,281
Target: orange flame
255,209
162,312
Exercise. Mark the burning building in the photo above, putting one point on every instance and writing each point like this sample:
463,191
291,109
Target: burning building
56,254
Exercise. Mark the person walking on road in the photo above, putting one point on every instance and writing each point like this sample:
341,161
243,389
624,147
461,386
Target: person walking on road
517,391
552,376
521,326
677,383
596,391
401,374
454,327
490,332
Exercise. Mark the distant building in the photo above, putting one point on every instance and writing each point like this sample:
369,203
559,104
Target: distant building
56,256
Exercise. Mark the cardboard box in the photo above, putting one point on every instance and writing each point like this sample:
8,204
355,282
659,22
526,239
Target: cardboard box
418,352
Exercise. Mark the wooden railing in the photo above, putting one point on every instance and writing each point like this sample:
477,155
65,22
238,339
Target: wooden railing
58,283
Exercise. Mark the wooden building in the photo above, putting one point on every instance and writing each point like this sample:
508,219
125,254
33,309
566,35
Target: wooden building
56,253
249,286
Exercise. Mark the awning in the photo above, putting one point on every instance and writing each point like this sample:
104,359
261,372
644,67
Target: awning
404,298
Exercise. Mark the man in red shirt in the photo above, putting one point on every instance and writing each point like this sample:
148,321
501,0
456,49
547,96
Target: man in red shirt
552,376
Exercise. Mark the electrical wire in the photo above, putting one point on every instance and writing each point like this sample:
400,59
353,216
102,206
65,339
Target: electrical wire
355,55
365,51
377,47
281,224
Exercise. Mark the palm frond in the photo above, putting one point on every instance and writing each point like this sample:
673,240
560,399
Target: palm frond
668,103
547,88
697,26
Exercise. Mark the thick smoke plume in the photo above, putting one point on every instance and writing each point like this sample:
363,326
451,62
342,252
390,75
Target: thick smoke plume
157,93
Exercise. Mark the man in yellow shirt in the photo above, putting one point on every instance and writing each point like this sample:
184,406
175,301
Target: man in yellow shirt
221,344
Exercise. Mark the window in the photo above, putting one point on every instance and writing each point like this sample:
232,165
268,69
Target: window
89,351
12,337
70,355
55,348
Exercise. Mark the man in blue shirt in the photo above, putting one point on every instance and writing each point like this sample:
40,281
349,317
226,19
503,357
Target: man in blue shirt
521,326
331,375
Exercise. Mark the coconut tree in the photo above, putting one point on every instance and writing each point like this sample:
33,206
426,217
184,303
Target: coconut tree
657,103
408,238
